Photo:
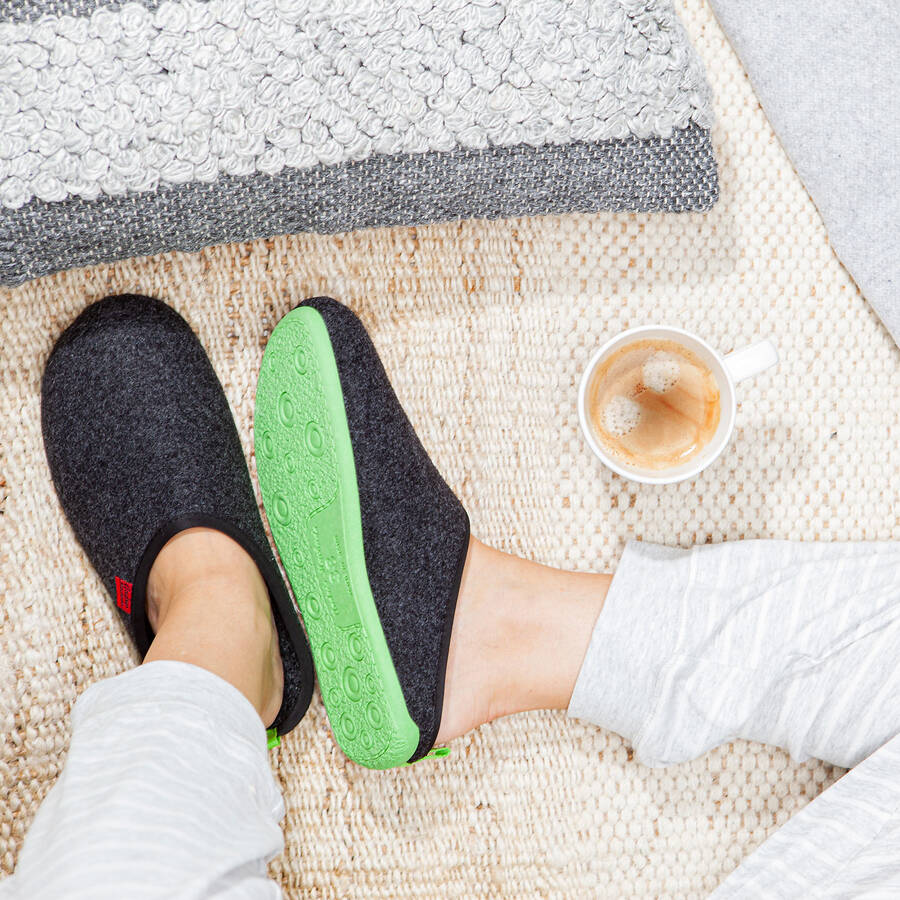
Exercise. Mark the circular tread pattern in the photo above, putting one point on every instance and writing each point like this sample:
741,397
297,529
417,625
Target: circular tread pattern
351,683
356,646
266,445
348,727
312,606
328,657
282,510
374,716
286,410
315,440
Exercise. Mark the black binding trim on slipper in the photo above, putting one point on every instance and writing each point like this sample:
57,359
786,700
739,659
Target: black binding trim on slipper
426,743
298,668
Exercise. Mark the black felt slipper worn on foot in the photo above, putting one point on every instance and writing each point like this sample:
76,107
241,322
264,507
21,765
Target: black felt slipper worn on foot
373,540
142,445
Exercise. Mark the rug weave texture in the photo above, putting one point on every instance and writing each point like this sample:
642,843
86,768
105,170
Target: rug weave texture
484,329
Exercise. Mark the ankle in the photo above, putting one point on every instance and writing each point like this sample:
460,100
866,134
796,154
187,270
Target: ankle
209,606
198,564
543,618
519,638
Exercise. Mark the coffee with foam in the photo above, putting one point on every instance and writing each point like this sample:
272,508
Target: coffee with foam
654,404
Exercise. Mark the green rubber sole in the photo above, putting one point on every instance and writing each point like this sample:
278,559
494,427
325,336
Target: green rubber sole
304,459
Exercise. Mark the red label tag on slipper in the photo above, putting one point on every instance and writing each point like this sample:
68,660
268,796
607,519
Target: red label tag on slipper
123,595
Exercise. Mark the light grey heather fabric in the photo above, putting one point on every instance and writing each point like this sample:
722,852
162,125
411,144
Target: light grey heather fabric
655,175
149,806
140,127
826,74
793,644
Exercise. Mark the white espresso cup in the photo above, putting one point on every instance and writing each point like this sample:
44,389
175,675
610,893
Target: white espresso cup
727,370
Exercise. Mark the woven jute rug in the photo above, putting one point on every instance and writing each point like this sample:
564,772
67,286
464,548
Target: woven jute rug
484,329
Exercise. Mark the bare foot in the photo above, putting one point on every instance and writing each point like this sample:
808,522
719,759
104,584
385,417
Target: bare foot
519,637
208,605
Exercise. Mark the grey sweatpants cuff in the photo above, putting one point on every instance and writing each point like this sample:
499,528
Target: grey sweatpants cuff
167,792
618,686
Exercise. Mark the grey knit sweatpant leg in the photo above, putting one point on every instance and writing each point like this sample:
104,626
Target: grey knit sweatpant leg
167,790
787,643
167,794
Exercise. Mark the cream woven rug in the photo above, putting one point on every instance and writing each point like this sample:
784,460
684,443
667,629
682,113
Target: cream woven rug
484,329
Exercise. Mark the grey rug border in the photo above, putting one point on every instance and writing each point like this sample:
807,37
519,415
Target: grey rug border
675,174
18,12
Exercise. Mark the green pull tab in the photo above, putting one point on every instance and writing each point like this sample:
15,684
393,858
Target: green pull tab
272,737
437,753
433,753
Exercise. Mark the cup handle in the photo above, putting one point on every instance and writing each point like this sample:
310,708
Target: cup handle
751,360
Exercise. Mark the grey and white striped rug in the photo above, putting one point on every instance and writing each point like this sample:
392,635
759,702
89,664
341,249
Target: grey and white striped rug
131,128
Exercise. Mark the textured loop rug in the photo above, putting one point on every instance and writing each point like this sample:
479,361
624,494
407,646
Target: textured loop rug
136,128
485,328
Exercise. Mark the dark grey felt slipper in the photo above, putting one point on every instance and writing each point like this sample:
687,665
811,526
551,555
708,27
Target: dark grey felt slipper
142,445
371,537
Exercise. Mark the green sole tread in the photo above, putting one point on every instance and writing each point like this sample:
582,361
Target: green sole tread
304,460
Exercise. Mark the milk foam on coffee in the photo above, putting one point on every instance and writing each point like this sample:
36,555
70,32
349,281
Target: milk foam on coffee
621,415
661,372
654,404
